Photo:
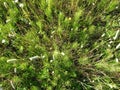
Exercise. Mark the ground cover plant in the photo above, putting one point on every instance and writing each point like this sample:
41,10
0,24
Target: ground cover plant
60,44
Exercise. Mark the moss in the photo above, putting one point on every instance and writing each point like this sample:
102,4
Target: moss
59,45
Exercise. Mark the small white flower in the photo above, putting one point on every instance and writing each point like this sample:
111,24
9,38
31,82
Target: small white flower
11,60
51,36
109,45
7,20
51,61
71,29
63,53
118,46
103,35
84,80
43,56
3,41
53,72
117,60
116,35
81,46
30,24
15,1
21,5
93,4
50,48
69,18
116,7
34,58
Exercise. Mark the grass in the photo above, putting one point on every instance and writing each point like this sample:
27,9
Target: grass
60,45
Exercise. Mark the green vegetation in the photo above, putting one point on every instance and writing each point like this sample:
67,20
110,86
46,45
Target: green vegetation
60,44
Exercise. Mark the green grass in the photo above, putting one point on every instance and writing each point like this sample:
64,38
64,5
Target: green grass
60,44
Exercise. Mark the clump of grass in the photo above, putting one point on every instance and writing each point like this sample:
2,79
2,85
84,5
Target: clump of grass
61,45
